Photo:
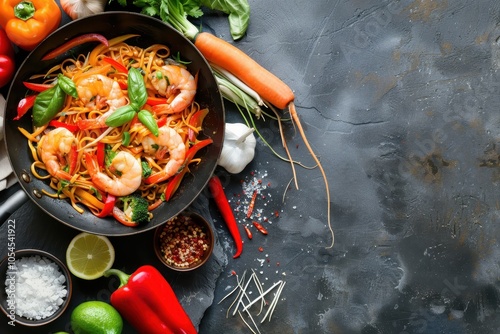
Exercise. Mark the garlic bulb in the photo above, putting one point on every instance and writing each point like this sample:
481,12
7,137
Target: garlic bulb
238,148
76,9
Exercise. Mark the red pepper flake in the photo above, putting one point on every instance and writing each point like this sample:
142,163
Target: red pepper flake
233,272
252,204
248,232
260,228
261,249
276,213
183,241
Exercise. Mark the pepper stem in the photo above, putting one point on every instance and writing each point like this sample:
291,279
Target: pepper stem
24,10
121,276
244,136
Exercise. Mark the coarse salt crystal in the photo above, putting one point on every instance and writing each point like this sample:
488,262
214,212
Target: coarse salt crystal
39,287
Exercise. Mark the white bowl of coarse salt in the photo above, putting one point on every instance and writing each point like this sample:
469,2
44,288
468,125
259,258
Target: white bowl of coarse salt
35,287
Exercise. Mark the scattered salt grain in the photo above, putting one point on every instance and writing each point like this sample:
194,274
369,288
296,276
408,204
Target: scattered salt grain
39,287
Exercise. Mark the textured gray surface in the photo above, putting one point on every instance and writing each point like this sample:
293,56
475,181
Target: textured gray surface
400,101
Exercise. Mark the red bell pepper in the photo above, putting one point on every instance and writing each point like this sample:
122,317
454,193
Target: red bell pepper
58,124
226,211
109,204
176,180
118,66
37,87
7,63
153,101
120,216
146,300
24,105
195,122
73,159
100,154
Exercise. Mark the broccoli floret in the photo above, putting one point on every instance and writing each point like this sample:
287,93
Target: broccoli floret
135,208
146,169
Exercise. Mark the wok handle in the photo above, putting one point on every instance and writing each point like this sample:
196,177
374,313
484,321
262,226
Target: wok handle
12,203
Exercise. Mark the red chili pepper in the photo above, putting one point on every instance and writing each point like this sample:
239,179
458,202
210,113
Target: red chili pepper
176,180
109,204
260,228
252,204
122,218
58,124
37,87
24,105
248,232
118,66
7,63
100,154
195,122
226,211
75,42
146,300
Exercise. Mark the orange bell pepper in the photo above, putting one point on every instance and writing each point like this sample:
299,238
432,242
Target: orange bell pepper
28,22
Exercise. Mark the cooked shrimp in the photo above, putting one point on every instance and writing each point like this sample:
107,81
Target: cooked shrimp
124,164
173,80
174,143
97,91
52,148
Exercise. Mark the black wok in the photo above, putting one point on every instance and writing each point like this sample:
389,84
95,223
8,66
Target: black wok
113,24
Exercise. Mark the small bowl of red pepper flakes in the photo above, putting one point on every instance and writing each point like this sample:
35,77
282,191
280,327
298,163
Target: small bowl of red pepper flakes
184,242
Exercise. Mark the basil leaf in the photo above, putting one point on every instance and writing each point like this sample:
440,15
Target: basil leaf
136,88
67,85
121,116
148,120
47,104
239,14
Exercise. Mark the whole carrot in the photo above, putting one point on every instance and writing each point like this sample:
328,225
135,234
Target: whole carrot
226,211
232,59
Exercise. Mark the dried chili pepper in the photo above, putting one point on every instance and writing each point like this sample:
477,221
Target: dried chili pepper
248,232
260,228
226,211
252,204
146,300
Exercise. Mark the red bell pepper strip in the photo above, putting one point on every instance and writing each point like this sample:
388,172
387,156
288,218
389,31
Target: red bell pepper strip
58,124
122,218
37,87
109,204
176,180
195,122
226,211
73,159
118,66
153,101
100,154
75,42
7,63
24,105
146,300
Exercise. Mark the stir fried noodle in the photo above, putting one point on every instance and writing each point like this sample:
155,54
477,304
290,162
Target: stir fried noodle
86,160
